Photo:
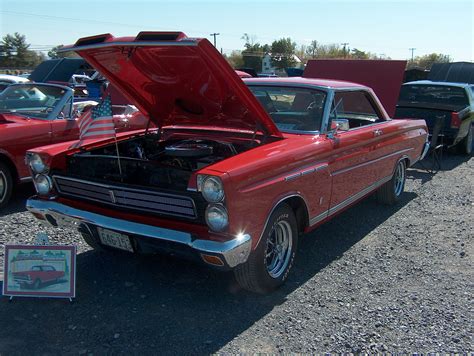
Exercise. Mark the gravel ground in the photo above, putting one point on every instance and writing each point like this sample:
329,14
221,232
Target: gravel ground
374,279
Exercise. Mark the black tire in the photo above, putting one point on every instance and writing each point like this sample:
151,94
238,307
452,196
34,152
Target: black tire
6,185
390,192
92,241
257,275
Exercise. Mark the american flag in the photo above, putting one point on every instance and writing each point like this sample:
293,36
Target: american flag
97,123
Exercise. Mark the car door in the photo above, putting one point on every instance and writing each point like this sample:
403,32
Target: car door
65,126
354,161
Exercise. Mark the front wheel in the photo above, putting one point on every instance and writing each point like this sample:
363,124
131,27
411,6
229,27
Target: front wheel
6,185
269,265
390,192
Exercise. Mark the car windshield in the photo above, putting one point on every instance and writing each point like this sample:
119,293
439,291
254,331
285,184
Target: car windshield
438,95
292,109
31,99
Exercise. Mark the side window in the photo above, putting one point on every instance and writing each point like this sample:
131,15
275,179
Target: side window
356,107
66,110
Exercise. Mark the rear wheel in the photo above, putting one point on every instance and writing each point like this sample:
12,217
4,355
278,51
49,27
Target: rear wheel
269,265
390,192
6,185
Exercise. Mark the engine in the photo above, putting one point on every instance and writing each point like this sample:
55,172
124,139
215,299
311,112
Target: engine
148,162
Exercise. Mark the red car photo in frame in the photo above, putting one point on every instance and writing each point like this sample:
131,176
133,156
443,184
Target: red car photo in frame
40,271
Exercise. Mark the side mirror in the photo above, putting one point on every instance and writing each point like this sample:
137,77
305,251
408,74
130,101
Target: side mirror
340,125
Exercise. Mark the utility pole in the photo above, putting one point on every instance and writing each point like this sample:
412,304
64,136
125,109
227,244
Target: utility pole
214,35
345,51
412,50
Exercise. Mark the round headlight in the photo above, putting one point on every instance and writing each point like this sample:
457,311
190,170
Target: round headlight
216,217
43,184
36,163
212,189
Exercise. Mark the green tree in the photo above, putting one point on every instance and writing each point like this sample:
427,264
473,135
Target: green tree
235,59
16,53
283,52
253,53
427,61
53,53
312,49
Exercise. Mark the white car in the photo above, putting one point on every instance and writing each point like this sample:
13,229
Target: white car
6,80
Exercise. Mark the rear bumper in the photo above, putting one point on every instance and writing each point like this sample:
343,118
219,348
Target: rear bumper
232,252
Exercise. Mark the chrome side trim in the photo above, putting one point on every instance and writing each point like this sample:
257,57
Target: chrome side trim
318,218
26,179
348,201
344,170
358,195
234,252
306,171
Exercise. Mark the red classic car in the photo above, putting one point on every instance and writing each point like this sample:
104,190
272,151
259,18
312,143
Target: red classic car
37,276
236,171
33,115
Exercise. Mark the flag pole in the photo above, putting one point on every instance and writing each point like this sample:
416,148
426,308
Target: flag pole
118,154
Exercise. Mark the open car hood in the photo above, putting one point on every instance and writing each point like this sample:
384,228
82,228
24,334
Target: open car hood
57,70
176,80
385,77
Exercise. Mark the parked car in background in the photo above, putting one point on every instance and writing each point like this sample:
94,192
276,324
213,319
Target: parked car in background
36,276
33,115
236,170
6,80
450,103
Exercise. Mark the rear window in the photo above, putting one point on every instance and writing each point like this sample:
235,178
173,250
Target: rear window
438,95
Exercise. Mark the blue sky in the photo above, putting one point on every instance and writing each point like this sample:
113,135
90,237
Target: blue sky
381,27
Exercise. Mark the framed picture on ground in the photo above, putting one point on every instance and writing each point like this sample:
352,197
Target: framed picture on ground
40,271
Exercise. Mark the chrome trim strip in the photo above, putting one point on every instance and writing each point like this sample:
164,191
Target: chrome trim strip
318,218
358,195
344,170
306,171
348,201
234,252
26,179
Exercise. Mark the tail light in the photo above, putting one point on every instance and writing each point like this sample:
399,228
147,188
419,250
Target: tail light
455,120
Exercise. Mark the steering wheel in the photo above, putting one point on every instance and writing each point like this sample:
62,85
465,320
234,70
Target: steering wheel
314,105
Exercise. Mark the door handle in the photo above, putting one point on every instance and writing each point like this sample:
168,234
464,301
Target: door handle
378,132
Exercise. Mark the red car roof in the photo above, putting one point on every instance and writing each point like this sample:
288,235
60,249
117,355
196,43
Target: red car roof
306,81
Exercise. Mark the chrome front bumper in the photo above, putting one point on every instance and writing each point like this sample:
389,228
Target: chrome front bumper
426,148
233,252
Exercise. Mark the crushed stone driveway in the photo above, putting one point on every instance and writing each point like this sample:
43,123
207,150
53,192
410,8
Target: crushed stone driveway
374,279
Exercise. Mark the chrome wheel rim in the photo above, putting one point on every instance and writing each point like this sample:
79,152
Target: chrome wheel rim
399,178
3,186
279,248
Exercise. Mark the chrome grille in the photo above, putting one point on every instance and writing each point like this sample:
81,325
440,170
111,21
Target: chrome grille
137,199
